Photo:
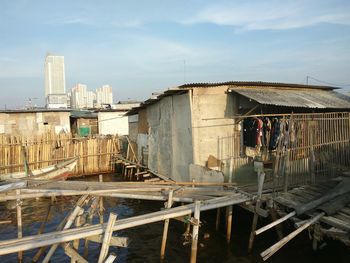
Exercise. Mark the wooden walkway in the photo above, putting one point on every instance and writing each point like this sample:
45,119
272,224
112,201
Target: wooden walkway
194,199
336,221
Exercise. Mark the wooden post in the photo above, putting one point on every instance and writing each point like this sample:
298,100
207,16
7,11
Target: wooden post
195,232
101,201
228,223
166,226
217,223
19,222
261,178
107,237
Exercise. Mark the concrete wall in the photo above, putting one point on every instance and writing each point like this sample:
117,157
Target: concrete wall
32,123
133,127
113,123
170,137
212,114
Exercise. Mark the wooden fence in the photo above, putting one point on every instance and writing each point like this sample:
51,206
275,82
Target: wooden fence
95,153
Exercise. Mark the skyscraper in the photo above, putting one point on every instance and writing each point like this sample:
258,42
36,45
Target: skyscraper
55,82
104,95
81,97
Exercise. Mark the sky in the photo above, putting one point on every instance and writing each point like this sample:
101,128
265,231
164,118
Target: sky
140,47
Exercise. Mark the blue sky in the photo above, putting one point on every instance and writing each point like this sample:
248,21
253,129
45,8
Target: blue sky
139,47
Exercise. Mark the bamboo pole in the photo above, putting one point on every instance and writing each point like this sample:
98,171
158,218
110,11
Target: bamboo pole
101,201
195,231
68,224
111,258
19,222
107,237
274,248
228,223
275,223
76,241
166,226
261,178
31,242
217,223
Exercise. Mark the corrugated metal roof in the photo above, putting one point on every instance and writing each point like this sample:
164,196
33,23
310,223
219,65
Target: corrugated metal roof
306,98
255,84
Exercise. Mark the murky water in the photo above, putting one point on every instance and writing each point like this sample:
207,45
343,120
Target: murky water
146,240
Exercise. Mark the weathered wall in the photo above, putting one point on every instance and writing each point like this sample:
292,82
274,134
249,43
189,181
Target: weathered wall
212,113
133,127
33,123
169,140
113,123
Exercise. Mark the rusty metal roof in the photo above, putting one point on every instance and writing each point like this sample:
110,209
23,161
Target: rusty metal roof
290,97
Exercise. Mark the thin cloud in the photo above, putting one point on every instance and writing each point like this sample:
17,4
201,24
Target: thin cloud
270,15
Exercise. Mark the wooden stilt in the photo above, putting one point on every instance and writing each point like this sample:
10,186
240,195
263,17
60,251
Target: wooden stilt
228,223
217,223
19,222
101,201
166,226
107,237
195,232
261,179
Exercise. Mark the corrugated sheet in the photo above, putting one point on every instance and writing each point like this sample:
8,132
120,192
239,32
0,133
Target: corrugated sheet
306,98
255,84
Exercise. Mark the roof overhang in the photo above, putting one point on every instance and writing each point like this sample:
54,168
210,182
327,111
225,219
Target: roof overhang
291,97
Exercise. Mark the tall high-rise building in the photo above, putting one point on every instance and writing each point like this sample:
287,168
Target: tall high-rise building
55,82
104,96
81,97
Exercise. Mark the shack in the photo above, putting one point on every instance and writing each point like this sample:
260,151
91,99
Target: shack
84,123
189,131
114,121
34,121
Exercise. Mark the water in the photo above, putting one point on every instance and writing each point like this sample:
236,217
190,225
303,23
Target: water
146,240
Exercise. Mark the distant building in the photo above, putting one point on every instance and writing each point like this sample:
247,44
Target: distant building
34,122
114,121
55,82
82,98
104,96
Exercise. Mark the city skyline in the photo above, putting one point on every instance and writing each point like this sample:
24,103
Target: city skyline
140,48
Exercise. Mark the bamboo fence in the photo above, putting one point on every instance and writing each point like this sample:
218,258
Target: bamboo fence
320,150
95,153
